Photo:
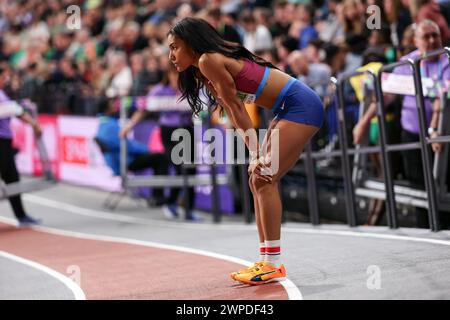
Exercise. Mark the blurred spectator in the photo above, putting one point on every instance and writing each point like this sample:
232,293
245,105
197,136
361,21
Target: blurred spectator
332,28
429,9
121,76
256,37
285,45
8,169
282,18
145,73
302,27
381,39
99,78
315,75
314,52
93,19
133,40
262,16
355,45
407,44
114,36
231,19
335,57
427,38
31,84
270,55
227,31
398,18
165,10
138,155
66,82
61,43
353,17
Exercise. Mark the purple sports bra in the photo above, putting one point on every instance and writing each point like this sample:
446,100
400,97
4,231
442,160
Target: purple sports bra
250,81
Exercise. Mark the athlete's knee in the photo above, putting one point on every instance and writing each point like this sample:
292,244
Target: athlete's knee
261,185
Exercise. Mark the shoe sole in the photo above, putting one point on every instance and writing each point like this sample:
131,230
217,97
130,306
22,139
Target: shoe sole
257,283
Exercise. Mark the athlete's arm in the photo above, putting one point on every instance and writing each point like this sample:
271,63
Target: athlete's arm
213,68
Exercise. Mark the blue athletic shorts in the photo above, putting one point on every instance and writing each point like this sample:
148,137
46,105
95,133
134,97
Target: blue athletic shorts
299,103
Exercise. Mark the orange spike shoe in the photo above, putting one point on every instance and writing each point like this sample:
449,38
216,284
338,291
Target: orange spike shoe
262,274
245,270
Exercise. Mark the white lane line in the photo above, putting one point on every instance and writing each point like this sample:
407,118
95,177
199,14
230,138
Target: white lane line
76,290
124,218
365,234
292,290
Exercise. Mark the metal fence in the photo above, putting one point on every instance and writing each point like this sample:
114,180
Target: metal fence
431,199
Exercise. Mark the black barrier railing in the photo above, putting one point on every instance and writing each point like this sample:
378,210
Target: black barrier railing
426,156
346,166
424,142
426,148
350,203
388,189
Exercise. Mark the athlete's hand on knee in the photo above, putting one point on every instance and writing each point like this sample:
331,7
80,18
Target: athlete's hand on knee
262,170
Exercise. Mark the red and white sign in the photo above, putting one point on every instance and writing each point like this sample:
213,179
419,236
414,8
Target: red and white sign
75,150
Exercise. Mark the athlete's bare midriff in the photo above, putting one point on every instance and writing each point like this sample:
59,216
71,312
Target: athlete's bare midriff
275,83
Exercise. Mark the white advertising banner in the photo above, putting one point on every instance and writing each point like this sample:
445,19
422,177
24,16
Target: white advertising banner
404,84
81,161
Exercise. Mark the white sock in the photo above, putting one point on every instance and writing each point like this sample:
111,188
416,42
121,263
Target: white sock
273,252
262,251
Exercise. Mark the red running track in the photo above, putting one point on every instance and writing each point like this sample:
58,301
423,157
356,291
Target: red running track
114,270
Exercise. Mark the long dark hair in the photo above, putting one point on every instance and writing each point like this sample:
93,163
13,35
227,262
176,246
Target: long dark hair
203,38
